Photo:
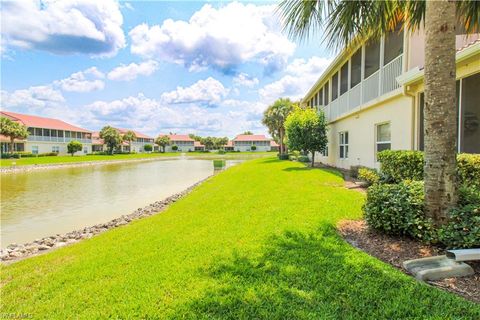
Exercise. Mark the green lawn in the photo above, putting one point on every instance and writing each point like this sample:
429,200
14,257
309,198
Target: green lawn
256,241
70,159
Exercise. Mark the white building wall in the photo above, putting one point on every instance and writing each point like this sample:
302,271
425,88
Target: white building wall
47,146
361,128
182,146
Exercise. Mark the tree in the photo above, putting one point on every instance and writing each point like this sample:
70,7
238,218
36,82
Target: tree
13,130
74,146
111,137
208,142
220,142
248,133
195,137
274,118
163,141
148,147
348,23
130,136
174,147
306,131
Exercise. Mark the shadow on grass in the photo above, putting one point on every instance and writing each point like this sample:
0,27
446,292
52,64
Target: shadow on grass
316,276
305,168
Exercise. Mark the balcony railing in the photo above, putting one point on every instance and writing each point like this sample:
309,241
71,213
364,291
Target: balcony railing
379,83
56,139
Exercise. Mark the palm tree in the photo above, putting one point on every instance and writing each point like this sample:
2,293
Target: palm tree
129,136
274,118
348,23
13,130
163,141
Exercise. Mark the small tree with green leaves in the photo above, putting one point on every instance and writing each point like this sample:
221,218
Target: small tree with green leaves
247,133
163,141
148,147
306,131
129,136
13,130
174,147
253,147
111,137
74,146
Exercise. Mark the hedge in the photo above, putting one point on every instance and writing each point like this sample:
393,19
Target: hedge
399,165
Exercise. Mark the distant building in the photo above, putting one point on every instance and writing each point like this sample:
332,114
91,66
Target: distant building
46,135
244,142
182,141
137,145
274,146
229,146
198,146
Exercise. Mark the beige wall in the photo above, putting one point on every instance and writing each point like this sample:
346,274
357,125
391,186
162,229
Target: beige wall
416,56
45,147
361,129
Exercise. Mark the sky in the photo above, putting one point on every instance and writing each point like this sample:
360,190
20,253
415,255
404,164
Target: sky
208,68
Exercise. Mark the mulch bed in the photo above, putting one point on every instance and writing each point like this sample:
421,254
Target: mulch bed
395,250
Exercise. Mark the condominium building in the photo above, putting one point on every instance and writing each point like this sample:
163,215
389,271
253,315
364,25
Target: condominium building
137,145
46,135
245,142
373,98
182,141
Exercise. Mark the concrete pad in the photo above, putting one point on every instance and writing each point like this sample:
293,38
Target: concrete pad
436,268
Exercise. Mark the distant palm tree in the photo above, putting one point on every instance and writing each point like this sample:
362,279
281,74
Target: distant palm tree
129,136
274,118
13,130
349,23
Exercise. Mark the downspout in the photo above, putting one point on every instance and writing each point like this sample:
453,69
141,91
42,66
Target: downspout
406,64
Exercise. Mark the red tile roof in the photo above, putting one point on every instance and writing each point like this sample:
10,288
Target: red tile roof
138,134
178,137
41,122
198,144
251,137
274,144
229,143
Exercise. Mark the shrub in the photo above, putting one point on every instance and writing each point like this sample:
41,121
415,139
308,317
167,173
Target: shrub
253,148
469,194
463,228
398,165
354,171
74,146
148,147
468,166
26,155
398,209
370,176
294,155
401,165
221,152
47,154
283,156
10,156
174,148
303,159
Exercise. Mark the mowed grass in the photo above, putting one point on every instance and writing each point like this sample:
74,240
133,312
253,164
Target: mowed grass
255,241
133,156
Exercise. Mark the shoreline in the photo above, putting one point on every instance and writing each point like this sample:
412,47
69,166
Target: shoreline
17,252
47,166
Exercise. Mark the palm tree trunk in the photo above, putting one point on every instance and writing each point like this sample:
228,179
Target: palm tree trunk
12,144
440,112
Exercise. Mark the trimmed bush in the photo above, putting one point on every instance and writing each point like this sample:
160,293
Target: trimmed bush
399,165
398,209
221,152
253,148
303,158
469,169
463,228
174,148
148,147
370,176
283,156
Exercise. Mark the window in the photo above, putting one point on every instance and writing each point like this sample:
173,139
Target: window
31,131
344,78
320,97
343,145
60,133
53,133
372,58
335,86
85,150
67,134
56,149
383,137
356,69
46,132
393,46
470,114
326,97
38,132
35,149
324,153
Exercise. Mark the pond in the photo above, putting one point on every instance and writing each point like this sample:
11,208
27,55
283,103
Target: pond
41,203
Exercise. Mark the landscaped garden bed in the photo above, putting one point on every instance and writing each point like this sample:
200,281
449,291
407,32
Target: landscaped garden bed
396,249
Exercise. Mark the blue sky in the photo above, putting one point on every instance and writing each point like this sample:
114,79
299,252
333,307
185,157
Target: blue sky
209,68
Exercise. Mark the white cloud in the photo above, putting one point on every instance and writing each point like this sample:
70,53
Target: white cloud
222,38
32,98
207,92
133,70
299,78
64,27
245,80
82,81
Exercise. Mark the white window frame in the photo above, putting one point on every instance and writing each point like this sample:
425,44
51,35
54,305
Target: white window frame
377,143
324,153
34,149
342,143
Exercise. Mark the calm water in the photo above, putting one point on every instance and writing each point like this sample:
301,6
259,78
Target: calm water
46,202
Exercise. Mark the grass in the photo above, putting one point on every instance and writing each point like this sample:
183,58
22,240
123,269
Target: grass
256,241
70,159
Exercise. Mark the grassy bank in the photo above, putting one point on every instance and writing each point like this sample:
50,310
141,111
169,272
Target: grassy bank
255,241
135,156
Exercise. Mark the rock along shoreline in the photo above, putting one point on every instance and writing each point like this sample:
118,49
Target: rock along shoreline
15,252
34,167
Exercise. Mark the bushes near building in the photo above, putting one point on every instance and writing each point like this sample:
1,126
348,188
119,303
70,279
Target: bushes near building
394,203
